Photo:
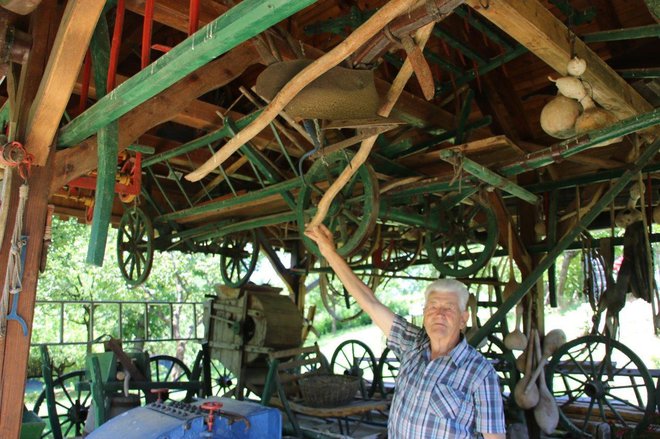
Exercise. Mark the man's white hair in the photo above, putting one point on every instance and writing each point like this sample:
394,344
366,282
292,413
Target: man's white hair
445,286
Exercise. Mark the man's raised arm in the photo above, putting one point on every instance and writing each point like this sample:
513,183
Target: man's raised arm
381,315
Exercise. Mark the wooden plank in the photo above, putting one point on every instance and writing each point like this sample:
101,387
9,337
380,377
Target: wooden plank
71,42
533,26
237,25
74,162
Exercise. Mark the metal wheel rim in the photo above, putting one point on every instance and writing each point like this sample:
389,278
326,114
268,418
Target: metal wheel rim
455,268
135,246
389,362
236,270
72,416
595,348
333,299
347,242
165,368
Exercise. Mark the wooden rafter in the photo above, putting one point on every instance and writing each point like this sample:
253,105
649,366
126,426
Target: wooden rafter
533,26
75,31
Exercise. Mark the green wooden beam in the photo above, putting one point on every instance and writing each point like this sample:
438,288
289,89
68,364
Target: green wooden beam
461,132
648,73
108,148
630,33
242,22
570,236
4,114
581,143
486,175
199,142
275,189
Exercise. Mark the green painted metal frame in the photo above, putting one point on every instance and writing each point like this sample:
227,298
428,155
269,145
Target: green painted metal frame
486,175
242,22
530,280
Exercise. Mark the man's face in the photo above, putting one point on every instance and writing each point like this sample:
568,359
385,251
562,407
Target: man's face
443,318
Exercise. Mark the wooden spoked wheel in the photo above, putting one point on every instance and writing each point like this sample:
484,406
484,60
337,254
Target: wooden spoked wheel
595,379
135,249
504,363
72,402
388,370
352,214
354,358
223,381
165,368
238,257
336,299
464,239
399,248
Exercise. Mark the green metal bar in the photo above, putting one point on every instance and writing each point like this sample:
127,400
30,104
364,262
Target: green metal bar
144,149
108,142
458,45
178,183
530,280
631,33
649,73
485,28
488,176
242,22
256,158
463,117
275,189
579,144
160,187
485,68
597,177
199,142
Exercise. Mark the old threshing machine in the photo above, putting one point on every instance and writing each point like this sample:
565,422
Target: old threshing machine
242,325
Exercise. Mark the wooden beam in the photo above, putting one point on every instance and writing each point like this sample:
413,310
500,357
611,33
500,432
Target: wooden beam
74,162
533,26
66,57
242,22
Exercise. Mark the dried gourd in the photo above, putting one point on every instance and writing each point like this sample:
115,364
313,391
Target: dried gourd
558,117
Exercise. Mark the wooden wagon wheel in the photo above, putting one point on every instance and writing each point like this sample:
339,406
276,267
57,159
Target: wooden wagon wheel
337,301
238,257
386,373
504,363
165,368
399,248
135,249
72,402
354,358
223,381
465,239
353,213
593,381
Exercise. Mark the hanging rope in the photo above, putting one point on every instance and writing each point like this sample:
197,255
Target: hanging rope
13,283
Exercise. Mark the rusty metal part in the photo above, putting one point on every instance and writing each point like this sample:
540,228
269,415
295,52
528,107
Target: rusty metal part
14,45
234,417
404,25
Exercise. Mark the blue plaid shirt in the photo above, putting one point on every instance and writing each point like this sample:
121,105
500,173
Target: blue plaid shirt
454,396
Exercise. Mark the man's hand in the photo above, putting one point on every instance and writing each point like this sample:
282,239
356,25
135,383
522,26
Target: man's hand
322,237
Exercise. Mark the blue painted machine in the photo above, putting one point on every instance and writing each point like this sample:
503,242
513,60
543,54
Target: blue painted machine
213,418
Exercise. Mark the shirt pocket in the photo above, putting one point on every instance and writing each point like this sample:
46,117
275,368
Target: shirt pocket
446,402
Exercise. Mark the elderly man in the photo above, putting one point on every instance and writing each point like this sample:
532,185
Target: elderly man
445,388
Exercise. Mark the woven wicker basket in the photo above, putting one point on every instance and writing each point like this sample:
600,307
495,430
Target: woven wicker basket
328,390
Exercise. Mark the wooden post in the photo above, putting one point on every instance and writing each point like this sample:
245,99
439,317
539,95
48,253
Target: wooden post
16,346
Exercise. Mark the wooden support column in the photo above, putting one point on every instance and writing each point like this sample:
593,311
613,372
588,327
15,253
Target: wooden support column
73,36
16,345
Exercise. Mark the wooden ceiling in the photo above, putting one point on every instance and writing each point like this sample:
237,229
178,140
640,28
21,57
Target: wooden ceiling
490,61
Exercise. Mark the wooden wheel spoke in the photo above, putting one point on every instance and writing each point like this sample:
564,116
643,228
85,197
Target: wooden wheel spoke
624,401
615,412
589,410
